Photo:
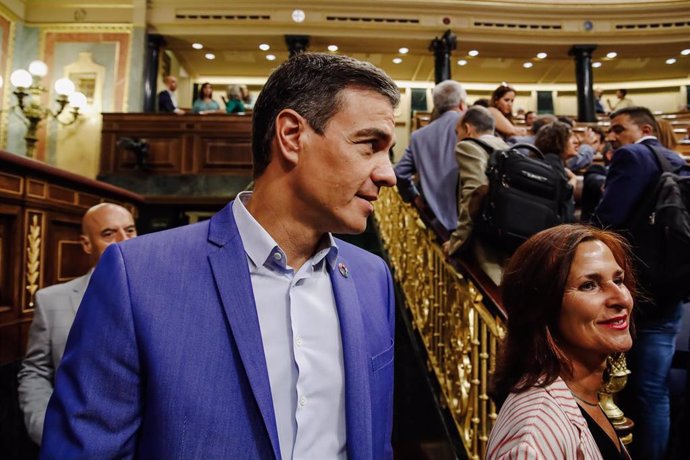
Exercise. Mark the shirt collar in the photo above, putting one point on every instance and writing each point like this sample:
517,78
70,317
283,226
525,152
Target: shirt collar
644,138
262,249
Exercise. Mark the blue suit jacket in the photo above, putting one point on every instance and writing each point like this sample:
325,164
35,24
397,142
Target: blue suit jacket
633,169
431,155
165,358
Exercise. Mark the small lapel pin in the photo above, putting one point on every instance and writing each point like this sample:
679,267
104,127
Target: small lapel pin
343,270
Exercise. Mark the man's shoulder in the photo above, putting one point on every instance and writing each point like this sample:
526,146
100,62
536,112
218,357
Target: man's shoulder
494,142
63,288
179,238
444,122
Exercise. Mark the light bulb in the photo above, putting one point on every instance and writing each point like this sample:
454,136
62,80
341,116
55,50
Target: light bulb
20,79
38,68
77,100
473,53
64,86
1,81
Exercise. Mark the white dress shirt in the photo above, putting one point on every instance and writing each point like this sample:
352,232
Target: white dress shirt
301,340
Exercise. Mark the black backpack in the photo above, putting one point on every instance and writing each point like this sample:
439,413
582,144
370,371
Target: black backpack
526,195
659,231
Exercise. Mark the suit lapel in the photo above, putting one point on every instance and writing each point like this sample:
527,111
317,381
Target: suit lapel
229,267
78,290
357,364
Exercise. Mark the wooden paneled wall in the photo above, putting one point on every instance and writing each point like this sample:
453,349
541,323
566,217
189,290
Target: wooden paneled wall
40,223
178,144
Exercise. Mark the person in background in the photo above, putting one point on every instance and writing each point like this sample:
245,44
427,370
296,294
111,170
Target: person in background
246,97
634,168
666,135
431,157
529,118
167,99
483,102
622,101
472,158
255,334
558,144
598,106
205,103
501,108
234,104
568,293
102,225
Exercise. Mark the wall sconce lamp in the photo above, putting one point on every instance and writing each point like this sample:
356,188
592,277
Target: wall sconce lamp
28,90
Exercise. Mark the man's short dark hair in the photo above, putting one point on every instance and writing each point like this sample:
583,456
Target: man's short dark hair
624,92
638,115
480,118
311,85
541,121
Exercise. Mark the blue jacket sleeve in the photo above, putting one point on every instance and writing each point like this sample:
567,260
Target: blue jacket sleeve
625,184
404,170
584,158
95,410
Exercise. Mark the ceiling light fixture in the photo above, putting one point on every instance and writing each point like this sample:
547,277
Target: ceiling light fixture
270,57
685,52
611,54
527,65
671,61
210,56
596,65
264,47
298,16
397,60
403,50
197,46
462,62
473,53
333,48
542,55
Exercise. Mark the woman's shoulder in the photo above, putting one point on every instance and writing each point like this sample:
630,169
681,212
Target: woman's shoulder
535,420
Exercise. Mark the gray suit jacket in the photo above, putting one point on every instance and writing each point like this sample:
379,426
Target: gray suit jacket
55,309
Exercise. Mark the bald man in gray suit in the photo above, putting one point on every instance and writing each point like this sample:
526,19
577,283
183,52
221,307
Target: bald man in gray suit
56,306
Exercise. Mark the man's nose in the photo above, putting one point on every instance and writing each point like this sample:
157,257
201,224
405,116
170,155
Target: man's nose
383,174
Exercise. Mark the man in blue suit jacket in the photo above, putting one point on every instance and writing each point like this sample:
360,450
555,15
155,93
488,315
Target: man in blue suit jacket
255,335
633,170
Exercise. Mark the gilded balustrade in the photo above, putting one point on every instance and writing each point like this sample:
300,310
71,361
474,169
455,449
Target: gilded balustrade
459,332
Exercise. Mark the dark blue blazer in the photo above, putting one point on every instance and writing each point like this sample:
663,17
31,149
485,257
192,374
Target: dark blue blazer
165,103
633,169
165,358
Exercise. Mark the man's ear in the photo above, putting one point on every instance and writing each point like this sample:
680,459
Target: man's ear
86,244
647,129
290,127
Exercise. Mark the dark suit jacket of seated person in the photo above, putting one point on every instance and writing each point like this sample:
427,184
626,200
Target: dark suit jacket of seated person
255,334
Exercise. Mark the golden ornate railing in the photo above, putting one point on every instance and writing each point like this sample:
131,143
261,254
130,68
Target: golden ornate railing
460,327
459,332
